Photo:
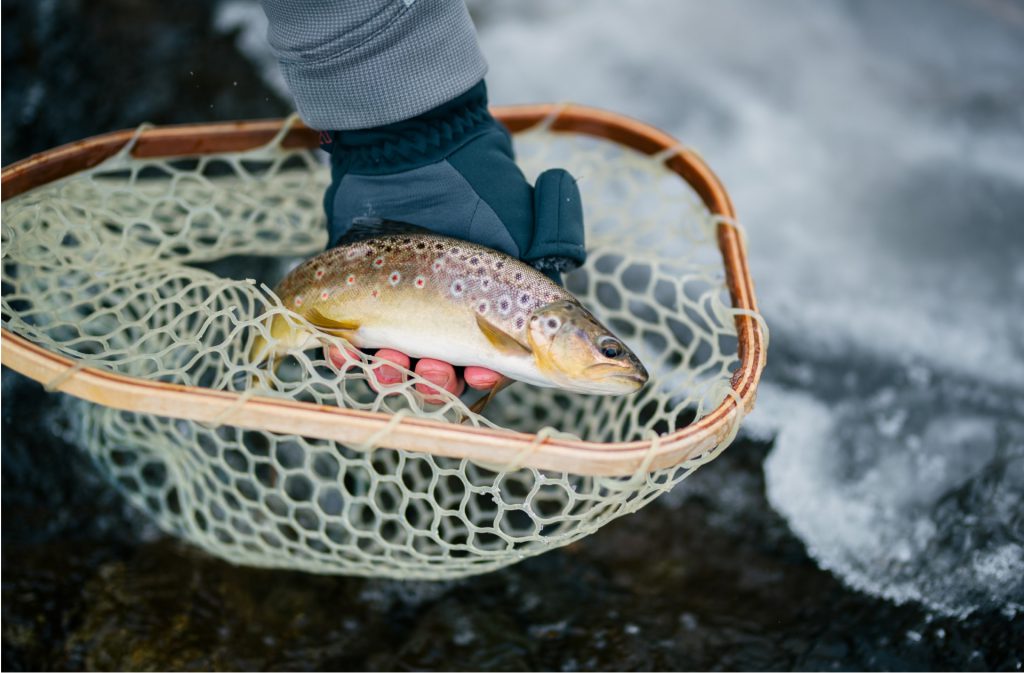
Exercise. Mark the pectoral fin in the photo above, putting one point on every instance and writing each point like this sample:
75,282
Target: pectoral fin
478,406
330,325
500,339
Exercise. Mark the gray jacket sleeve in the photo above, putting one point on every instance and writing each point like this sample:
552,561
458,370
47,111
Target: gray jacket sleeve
353,64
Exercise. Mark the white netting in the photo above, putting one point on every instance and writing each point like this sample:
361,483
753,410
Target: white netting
142,267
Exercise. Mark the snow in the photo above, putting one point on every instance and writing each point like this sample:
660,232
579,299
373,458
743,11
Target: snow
873,151
251,23
926,513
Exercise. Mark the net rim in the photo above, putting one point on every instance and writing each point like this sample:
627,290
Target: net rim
421,435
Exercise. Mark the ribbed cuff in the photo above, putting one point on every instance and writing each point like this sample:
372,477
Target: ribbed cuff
425,56
420,141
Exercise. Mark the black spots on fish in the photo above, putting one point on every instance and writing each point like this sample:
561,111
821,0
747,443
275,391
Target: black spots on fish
455,251
499,264
474,261
439,247
483,306
518,276
551,325
406,241
421,246
524,299
504,306
485,283
520,321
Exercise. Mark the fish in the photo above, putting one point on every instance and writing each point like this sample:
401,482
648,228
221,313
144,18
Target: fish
398,286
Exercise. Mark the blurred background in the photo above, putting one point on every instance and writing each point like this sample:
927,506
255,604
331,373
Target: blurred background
871,514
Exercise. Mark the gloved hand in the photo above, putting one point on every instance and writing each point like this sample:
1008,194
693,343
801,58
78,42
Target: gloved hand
452,170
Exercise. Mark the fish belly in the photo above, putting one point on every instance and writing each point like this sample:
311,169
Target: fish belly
459,346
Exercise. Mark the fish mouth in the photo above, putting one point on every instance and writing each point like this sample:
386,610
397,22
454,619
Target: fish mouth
635,380
617,377
617,384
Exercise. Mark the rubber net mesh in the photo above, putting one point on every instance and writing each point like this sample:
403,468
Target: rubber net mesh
160,269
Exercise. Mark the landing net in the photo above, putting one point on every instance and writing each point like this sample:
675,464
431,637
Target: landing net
160,269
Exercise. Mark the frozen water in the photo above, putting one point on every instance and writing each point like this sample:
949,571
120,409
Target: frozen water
873,150
909,494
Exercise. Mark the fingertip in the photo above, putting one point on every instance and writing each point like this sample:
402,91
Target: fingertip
386,374
481,378
441,375
343,360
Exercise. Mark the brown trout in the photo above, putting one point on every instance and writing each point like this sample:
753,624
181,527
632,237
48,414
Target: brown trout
431,296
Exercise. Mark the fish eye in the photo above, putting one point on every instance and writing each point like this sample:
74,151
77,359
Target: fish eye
610,347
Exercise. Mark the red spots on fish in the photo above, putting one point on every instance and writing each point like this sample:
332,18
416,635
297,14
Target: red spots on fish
458,288
325,294
351,280
298,301
375,294
420,282
395,278
319,273
483,307
379,261
438,264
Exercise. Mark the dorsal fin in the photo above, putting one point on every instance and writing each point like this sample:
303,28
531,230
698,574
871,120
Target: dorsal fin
363,228
500,339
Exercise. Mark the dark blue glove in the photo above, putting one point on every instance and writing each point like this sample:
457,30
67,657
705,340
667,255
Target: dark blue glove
452,170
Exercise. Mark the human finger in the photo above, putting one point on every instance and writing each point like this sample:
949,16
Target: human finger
441,375
481,378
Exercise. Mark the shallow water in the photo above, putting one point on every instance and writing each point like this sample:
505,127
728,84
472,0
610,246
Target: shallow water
872,149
